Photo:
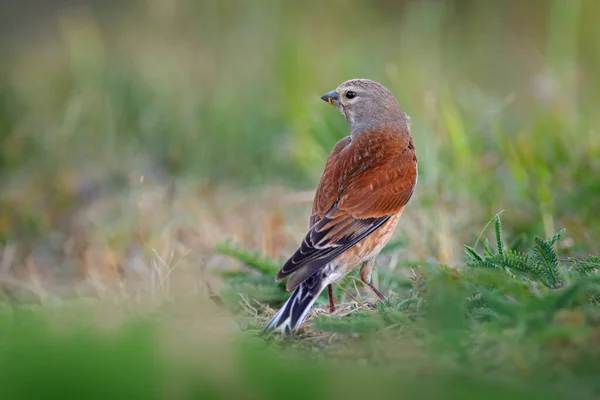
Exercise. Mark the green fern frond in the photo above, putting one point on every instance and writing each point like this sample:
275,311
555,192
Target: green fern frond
539,265
513,263
556,237
491,263
487,248
473,258
499,243
544,255
516,261
586,266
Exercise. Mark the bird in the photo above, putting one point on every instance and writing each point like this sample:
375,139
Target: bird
368,179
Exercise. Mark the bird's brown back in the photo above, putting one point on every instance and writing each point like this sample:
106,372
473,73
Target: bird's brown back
370,175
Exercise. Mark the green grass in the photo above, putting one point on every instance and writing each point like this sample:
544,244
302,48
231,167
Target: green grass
139,141
482,331
125,365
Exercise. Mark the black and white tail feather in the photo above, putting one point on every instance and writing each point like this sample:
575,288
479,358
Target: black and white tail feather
313,265
293,313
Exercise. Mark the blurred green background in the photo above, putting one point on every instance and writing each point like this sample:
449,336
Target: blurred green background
135,136
501,96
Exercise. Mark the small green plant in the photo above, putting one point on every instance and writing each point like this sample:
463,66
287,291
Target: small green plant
540,264
506,286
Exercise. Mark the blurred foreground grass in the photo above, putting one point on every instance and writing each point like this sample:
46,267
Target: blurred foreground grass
135,138
489,331
37,363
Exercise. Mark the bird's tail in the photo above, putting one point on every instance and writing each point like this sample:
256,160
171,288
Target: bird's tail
291,315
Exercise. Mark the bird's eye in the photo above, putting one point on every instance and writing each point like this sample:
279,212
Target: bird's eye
350,94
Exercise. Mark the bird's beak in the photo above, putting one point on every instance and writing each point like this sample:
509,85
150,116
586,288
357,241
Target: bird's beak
331,97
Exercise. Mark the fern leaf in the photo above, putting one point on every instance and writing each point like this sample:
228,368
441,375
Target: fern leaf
545,256
472,256
487,248
513,262
586,266
556,237
498,226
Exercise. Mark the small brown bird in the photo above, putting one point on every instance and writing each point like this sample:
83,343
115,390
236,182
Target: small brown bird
368,179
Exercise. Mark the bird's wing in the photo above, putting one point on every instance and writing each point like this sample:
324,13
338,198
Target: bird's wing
354,198
328,188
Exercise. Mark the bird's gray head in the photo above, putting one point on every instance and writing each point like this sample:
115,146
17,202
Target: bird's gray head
365,104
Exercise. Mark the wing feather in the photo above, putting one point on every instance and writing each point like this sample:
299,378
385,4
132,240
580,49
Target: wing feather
358,192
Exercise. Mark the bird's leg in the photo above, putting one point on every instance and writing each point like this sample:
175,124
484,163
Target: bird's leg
365,275
331,303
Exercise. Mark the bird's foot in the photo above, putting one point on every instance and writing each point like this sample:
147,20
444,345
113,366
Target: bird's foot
377,292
